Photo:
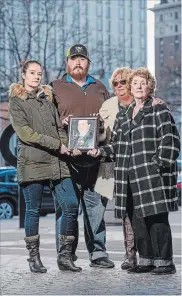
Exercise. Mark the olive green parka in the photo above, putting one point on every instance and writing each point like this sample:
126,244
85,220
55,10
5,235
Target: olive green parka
36,122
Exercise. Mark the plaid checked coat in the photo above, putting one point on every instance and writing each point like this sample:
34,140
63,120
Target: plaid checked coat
145,150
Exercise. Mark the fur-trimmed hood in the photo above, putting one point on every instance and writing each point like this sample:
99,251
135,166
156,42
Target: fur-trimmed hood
17,90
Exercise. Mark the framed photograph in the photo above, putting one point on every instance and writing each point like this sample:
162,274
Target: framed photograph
83,133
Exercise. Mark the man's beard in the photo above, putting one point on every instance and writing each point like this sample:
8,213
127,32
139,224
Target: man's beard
77,75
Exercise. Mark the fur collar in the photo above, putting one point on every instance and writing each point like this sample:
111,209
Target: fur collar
18,91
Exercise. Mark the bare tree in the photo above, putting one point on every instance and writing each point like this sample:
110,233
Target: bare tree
169,88
43,29
169,85
25,35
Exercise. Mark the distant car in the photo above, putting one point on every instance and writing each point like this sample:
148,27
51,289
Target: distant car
179,186
9,195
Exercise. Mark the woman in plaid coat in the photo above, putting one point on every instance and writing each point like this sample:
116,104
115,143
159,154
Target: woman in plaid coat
145,144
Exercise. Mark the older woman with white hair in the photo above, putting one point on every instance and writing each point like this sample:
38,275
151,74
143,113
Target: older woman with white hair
146,145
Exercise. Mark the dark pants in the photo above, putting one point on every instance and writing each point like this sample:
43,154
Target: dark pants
93,206
153,236
69,191
33,200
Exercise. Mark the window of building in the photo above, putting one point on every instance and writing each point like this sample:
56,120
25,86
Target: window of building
130,42
76,8
142,4
99,38
131,28
176,28
177,81
162,30
99,24
142,29
108,11
142,57
99,8
176,39
176,43
176,15
161,17
142,15
161,59
2,59
36,4
142,42
161,45
161,41
107,25
121,28
130,15
121,54
121,13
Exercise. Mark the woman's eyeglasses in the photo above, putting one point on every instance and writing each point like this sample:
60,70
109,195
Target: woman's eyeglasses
122,82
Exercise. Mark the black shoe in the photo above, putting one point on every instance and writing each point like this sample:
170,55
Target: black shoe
141,269
170,269
103,262
127,265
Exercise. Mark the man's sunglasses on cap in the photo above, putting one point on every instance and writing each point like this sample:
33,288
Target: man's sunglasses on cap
122,82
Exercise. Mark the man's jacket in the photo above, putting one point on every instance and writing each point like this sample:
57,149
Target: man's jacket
71,99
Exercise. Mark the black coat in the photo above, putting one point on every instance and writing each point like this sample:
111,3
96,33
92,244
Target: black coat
146,150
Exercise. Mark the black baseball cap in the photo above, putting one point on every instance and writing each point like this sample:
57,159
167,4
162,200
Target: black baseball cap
77,50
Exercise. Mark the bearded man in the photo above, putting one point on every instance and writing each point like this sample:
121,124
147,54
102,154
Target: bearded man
79,94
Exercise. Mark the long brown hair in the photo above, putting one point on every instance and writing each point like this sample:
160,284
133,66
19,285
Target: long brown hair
24,66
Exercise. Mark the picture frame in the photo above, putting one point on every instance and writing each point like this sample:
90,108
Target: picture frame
83,133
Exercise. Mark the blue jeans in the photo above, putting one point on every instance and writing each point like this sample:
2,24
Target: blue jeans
33,200
93,206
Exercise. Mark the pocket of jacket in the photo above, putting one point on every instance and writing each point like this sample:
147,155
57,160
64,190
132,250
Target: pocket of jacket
155,168
158,164
36,155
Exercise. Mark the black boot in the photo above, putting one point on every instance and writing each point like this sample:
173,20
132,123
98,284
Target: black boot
32,244
64,259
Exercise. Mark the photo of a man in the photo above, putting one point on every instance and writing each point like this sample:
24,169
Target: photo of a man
82,134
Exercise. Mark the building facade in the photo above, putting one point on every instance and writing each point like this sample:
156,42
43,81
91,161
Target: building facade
113,30
168,53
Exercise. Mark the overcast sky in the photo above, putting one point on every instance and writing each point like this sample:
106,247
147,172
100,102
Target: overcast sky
150,36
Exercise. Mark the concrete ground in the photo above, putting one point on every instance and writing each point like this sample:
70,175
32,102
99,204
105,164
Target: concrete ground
16,279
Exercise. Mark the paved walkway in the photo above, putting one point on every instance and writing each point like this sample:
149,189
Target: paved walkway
16,279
